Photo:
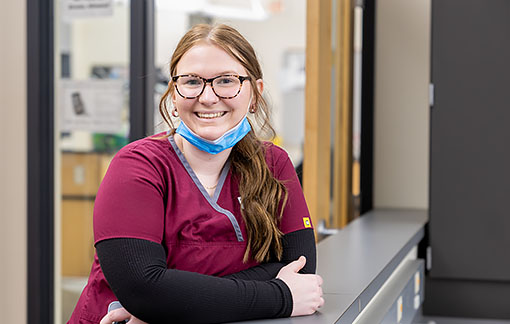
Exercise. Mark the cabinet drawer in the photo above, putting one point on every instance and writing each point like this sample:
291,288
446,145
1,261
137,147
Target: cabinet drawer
80,174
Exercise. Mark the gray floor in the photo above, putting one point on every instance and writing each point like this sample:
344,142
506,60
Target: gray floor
454,320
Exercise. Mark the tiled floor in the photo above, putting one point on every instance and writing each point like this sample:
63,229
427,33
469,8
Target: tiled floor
454,320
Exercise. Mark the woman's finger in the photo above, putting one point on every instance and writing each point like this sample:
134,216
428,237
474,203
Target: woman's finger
115,315
321,302
319,280
297,265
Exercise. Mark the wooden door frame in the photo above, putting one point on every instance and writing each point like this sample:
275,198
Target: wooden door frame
335,208
321,62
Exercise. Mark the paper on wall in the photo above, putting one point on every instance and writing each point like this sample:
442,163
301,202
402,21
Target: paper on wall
91,105
86,8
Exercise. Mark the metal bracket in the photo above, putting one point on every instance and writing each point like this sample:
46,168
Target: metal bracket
431,94
429,258
323,230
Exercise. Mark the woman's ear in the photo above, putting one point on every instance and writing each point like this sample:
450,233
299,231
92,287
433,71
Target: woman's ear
172,93
173,99
260,85
260,88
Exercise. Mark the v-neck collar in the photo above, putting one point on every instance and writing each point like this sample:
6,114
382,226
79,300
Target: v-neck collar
213,200
194,177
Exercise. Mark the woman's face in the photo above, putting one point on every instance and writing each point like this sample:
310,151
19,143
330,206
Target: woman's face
208,115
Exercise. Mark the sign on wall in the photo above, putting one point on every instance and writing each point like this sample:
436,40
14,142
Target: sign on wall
92,105
86,8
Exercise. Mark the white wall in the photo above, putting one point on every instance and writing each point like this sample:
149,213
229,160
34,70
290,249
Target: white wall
170,26
13,162
401,134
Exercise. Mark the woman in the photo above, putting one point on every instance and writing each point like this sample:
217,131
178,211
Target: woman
204,224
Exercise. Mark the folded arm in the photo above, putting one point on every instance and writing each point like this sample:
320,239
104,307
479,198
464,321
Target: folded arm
295,244
136,271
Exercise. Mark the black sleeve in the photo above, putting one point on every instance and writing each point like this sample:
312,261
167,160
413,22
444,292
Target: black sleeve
136,271
295,244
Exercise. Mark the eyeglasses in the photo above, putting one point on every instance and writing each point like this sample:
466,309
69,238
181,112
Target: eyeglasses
224,86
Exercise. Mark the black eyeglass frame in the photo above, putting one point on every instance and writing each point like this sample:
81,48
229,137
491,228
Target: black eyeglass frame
206,81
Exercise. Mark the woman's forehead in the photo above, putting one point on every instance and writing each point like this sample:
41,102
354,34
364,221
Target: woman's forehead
208,60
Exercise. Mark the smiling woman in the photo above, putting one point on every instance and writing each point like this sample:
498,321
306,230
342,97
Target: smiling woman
205,223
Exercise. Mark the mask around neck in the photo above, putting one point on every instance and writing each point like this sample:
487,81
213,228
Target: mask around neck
225,141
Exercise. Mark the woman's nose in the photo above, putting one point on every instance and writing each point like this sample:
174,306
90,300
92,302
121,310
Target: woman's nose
208,96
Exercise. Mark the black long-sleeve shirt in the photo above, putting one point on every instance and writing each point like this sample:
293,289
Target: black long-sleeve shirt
136,271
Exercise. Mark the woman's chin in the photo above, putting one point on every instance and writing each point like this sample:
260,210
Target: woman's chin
210,136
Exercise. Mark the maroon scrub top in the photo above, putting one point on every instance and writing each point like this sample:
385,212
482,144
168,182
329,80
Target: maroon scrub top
150,192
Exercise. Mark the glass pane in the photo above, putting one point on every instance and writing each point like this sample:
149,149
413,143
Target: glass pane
92,123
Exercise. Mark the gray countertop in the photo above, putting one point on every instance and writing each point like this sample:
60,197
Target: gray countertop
356,261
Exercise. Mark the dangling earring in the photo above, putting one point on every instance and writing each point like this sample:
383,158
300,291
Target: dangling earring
252,110
175,113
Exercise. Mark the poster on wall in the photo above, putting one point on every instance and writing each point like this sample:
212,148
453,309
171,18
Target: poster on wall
91,105
86,8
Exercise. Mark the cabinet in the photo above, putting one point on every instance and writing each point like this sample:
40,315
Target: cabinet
469,160
81,175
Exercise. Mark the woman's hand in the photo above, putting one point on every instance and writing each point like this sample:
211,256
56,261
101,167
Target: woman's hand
118,315
305,288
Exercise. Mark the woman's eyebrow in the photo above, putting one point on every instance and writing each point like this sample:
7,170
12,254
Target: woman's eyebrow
227,72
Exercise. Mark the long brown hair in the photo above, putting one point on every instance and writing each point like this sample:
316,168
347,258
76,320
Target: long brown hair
263,196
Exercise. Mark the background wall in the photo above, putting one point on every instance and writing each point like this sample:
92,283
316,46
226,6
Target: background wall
401,134
13,162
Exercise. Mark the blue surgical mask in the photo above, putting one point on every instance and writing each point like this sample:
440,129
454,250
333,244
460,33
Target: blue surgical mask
225,141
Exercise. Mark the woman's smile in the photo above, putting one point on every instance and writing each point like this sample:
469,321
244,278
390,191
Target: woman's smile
210,115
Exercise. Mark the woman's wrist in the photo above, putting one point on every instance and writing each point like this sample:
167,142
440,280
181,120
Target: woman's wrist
287,301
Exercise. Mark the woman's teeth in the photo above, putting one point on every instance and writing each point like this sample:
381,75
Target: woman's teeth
210,115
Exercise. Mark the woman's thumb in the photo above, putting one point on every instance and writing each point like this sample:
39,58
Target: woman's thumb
298,264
